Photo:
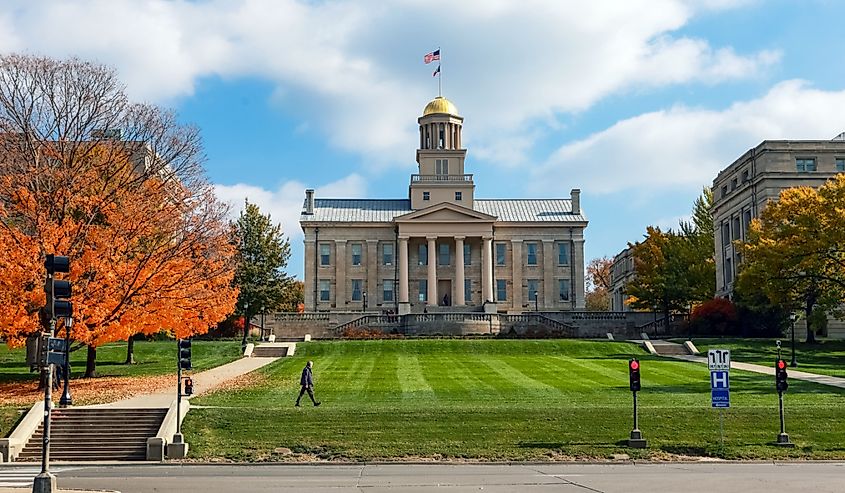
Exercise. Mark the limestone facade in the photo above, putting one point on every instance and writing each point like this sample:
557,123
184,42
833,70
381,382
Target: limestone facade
742,190
443,247
621,274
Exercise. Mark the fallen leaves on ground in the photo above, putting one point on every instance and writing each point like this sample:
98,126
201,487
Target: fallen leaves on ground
87,391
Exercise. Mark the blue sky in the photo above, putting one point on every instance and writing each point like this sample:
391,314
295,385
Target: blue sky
637,103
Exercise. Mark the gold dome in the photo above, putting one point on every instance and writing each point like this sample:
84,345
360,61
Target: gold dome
440,105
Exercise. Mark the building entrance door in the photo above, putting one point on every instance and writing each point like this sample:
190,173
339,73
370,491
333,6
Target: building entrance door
444,291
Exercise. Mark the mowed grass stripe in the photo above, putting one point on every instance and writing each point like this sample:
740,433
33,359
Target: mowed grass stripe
411,378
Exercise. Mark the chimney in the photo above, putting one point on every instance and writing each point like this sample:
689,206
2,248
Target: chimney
575,197
309,201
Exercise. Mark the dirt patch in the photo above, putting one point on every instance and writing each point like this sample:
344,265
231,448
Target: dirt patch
251,379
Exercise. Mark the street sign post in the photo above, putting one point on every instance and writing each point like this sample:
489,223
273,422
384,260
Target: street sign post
719,362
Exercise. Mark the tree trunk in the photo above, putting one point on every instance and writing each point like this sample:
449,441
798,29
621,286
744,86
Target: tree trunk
246,332
91,363
811,333
130,352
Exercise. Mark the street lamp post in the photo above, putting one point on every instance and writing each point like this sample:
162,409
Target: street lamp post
792,317
66,399
263,335
536,302
365,302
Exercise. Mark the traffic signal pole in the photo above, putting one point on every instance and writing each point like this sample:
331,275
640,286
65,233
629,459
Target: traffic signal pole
177,438
781,385
636,438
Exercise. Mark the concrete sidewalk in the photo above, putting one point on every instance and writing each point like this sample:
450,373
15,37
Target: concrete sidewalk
203,382
770,370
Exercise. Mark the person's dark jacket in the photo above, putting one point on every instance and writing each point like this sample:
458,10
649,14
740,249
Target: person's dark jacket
306,380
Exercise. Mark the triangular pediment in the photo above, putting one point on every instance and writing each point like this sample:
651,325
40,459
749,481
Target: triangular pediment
446,212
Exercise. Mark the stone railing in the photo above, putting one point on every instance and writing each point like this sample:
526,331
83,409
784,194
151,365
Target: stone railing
440,178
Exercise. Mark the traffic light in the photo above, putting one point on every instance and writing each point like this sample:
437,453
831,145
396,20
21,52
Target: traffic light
634,374
189,386
780,376
58,291
185,354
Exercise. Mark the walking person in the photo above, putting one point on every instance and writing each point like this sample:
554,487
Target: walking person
307,383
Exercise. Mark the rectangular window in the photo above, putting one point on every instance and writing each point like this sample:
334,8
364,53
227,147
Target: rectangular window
562,254
423,290
532,253
724,190
840,164
387,254
325,290
737,232
441,166
533,288
356,289
356,254
444,257
726,234
729,272
467,290
805,164
426,195
458,195
501,290
325,254
500,254
744,176
733,184
563,289
387,291
423,254
467,254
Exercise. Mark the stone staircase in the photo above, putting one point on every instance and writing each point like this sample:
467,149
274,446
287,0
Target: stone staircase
664,348
269,351
96,434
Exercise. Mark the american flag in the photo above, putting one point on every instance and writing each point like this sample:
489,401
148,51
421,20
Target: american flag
430,57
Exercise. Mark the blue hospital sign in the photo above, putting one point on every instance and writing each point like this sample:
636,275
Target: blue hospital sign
720,389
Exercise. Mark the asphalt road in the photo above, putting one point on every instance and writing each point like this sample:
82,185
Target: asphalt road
708,477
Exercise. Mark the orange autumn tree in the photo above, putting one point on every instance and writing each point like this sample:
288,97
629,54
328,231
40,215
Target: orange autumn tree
149,243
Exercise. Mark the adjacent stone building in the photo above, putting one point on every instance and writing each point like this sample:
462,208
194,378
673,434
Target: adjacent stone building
621,274
742,190
441,246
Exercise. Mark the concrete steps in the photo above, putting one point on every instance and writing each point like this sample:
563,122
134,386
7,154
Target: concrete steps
668,348
95,434
270,351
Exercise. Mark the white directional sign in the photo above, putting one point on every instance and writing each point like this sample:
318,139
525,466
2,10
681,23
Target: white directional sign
719,359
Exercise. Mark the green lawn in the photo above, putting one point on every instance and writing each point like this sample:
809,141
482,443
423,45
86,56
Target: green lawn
503,399
9,415
152,357
826,357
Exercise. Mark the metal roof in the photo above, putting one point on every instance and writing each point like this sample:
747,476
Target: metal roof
529,210
385,210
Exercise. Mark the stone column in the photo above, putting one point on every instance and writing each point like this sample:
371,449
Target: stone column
373,295
311,257
459,271
340,274
432,270
516,245
403,273
549,267
578,274
487,269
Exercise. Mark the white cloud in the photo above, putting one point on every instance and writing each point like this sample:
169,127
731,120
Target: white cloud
686,147
284,204
353,69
